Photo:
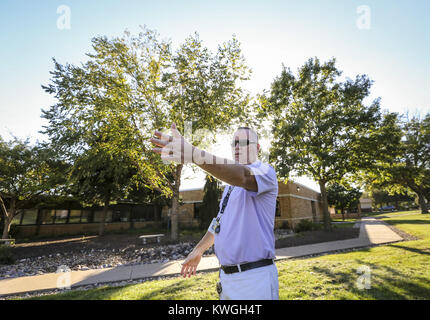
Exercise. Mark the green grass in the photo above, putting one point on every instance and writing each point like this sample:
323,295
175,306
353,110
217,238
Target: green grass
398,271
344,225
199,287
346,220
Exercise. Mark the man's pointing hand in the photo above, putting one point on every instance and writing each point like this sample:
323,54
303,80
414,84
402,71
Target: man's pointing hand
173,148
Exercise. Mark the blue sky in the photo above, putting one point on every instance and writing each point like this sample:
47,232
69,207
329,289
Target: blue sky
393,52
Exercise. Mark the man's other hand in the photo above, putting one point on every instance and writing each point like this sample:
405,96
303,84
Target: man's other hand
189,266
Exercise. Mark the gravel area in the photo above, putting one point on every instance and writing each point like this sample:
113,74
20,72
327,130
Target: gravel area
86,259
311,237
40,257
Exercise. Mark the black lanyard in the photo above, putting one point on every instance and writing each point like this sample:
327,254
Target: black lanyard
224,203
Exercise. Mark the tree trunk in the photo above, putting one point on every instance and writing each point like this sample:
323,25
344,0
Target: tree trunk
3,207
175,204
359,210
422,202
326,214
8,217
343,214
105,210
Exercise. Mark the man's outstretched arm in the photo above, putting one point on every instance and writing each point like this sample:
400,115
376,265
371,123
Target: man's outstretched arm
234,174
176,148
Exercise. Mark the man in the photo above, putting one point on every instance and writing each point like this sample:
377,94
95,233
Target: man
243,232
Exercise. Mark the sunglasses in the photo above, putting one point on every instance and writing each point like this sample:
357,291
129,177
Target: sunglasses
242,143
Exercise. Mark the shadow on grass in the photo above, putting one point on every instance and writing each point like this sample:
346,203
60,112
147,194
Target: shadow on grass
385,283
107,292
170,291
406,221
414,250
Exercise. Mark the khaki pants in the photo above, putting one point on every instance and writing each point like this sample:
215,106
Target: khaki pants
255,284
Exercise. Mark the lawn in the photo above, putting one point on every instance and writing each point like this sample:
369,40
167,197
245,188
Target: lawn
396,271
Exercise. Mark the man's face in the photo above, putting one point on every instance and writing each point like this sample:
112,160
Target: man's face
244,146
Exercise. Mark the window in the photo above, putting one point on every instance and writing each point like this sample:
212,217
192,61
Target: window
86,216
278,208
197,208
61,216
98,216
75,216
314,213
125,216
46,216
30,216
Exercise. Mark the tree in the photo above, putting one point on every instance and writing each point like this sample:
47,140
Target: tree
342,197
26,172
321,127
408,167
210,205
203,88
138,81
98,178
99,124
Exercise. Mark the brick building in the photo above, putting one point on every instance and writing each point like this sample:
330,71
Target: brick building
294,203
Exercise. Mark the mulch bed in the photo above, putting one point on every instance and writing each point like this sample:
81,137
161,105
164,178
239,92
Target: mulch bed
131,241
311,237
75,244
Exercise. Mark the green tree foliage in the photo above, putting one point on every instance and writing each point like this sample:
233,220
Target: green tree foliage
342,197
407,168
203,88
210,206
100,122
109,107
321,127
381,198
26,172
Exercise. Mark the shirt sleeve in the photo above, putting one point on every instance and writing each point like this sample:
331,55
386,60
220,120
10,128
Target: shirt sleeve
265,176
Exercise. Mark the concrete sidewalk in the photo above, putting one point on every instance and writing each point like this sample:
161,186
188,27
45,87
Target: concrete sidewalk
372,232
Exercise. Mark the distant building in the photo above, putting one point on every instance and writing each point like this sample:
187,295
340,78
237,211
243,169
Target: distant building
294,203
366,203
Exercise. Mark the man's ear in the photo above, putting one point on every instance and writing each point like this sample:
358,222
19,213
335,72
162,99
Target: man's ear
258,148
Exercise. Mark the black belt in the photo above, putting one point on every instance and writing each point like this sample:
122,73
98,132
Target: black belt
247,266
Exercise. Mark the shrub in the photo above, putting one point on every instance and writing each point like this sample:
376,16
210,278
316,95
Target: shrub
6,256
307,225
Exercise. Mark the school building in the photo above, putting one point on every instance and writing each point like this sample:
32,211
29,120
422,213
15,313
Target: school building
294,203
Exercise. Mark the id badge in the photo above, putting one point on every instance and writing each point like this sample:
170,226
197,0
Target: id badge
213,226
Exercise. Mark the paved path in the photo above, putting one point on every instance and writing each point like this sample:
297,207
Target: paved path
372,232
